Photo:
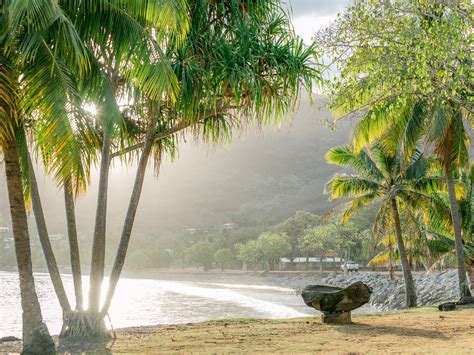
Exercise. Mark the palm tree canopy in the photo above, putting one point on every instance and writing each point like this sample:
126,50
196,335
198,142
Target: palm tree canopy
382,175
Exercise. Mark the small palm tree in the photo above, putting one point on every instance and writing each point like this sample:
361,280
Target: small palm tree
398,183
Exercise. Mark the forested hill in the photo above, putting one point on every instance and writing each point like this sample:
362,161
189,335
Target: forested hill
260,178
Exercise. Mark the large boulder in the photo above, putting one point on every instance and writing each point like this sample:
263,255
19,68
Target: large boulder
330,299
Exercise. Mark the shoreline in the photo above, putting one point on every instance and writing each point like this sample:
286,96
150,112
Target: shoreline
429,331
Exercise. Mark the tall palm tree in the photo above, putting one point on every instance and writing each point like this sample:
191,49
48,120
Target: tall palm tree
439,229
214,97
221,87
397,182
444,128
38,44
49,49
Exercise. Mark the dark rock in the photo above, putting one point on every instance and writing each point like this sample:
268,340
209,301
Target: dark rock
329,299
447,307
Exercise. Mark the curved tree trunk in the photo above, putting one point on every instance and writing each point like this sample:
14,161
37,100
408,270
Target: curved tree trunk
464,291
73,245
45,242
98,246
408,278
36,338
131,212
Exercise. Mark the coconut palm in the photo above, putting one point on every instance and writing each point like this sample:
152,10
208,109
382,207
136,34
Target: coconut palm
49,50
444,128
214,98
247,68
38,46
439,229
397,182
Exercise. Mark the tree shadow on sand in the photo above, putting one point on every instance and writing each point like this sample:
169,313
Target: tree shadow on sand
367,329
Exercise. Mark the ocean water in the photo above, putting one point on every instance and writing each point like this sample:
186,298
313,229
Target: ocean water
150,301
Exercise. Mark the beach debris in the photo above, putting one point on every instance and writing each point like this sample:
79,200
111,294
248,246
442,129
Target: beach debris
449,306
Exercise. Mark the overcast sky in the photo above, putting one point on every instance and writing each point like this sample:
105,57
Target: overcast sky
310,15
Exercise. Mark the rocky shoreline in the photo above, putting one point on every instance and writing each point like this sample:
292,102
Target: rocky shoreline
431,289
387,295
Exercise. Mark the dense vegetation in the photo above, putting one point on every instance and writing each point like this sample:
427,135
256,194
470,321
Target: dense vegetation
84,83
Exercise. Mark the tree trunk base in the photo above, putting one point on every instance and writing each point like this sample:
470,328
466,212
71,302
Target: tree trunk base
466,300
82,325
39,342
470,277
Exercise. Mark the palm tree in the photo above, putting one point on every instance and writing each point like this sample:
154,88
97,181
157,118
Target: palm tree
51,49
443,126
213,99
216,97
439,229
34,81
399,183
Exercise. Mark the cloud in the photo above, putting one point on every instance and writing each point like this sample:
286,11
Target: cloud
318,8
311,15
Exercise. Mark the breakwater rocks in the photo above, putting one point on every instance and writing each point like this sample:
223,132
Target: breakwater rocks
431,289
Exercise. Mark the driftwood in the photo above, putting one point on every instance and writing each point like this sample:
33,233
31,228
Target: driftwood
334,301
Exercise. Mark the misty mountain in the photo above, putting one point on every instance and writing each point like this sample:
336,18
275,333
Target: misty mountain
260,178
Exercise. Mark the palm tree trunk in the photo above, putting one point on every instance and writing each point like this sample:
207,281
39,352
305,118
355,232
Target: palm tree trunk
36,338
45,242
131,212
73,245
391,267
464,292
321,267
470,274
408,278
98,246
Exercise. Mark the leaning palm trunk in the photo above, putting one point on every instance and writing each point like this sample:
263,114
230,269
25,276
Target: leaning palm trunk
464,292
45,242
98,246
36,338
408,278
131,212
73,245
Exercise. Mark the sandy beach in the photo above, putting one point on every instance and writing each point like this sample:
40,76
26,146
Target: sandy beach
428,331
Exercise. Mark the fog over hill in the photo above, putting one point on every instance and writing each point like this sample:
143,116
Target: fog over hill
260,178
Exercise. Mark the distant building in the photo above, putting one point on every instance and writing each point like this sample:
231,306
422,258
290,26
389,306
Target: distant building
311,262
4,231
230,226
190,231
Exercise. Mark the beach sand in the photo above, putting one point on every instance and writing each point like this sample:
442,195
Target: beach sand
422,330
